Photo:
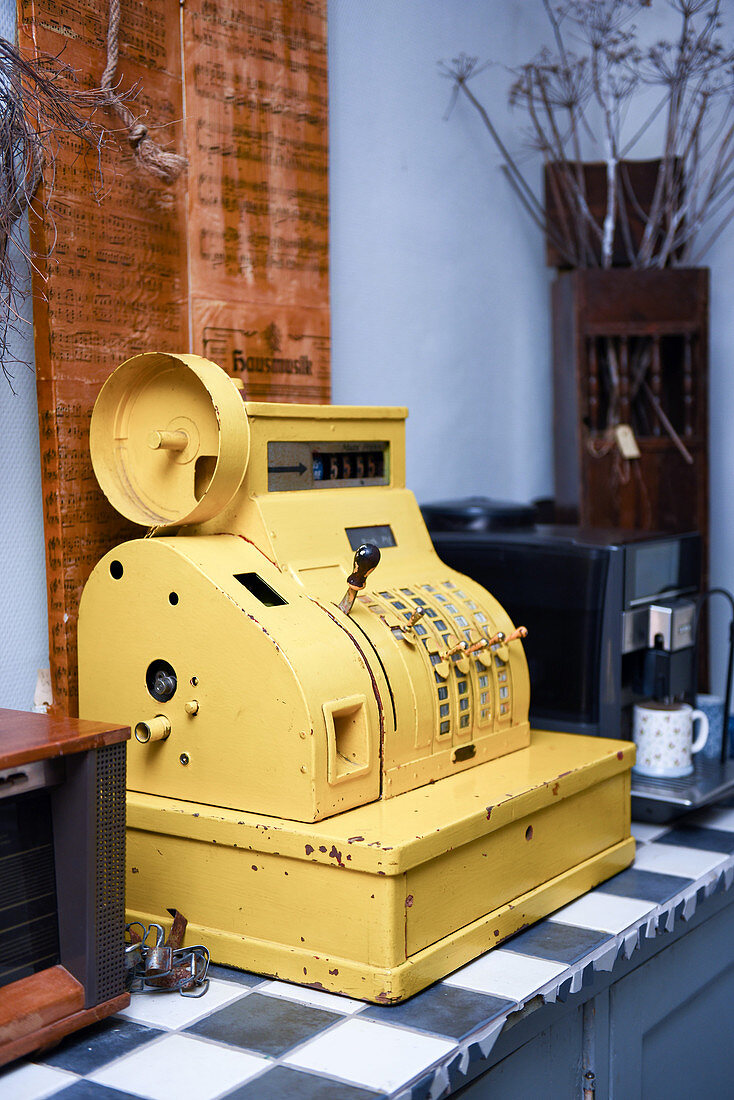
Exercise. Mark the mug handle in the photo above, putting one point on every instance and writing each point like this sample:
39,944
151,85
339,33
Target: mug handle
700,741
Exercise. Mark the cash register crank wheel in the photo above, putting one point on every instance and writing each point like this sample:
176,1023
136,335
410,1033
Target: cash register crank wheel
169,439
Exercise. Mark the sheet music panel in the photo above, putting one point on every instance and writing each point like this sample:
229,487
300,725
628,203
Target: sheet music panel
230,262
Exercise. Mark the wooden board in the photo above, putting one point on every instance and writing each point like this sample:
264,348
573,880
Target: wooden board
38,1011
230,262
256,107
25,738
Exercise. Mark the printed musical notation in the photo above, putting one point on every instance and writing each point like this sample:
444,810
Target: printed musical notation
230,262
262,31
112,280
258,144
146,35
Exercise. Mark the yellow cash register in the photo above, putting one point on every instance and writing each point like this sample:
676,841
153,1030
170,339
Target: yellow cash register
333,774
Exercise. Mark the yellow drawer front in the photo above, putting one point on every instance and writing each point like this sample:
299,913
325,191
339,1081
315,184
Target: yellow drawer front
462,885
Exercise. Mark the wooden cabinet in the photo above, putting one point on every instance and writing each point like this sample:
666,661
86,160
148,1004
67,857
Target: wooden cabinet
62,866
631,347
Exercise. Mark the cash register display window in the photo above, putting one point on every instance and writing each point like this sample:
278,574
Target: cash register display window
380,535
349,465
295,465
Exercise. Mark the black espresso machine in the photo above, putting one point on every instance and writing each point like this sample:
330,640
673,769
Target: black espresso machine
611,619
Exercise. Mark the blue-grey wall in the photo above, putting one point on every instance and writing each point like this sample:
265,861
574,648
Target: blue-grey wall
440,294
23,622
439,289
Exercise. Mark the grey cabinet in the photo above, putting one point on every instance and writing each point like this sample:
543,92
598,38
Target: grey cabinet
671,1020
658,1027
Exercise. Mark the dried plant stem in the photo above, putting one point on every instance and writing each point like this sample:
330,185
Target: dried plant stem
560,92
515,176
39,108
686,454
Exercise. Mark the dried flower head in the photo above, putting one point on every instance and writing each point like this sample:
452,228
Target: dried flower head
578,94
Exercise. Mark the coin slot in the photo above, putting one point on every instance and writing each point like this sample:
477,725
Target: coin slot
260,589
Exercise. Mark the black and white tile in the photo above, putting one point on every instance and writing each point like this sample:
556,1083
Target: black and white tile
251,1038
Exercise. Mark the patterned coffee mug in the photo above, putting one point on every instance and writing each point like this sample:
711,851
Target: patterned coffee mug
663,733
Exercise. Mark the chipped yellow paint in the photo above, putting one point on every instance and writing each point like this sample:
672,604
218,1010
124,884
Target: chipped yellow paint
346,800
381,900
273,729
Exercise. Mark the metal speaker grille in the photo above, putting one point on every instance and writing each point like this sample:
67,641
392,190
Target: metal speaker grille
110,893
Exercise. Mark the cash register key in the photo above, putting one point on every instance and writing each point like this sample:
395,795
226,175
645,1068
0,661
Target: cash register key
415,617
499,644
462,664
403,631
391,620
366,559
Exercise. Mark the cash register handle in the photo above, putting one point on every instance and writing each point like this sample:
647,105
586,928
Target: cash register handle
366,559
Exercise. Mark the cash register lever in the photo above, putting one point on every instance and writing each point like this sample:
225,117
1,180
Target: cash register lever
366,559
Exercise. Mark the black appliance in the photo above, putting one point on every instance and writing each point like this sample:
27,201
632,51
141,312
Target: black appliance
611,621
610,614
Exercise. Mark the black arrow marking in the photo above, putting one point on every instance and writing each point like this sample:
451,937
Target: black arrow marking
299,469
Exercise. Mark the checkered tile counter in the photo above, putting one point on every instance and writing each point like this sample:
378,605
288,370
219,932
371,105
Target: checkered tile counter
250,1038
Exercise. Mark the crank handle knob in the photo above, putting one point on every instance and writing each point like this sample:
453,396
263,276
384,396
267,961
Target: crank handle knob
366,559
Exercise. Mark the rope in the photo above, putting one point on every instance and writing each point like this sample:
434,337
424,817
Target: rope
165,166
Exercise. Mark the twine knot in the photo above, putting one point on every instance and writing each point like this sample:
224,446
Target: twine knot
136,135
165,166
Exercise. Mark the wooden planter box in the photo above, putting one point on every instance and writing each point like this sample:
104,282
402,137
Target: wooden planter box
660,317
636,179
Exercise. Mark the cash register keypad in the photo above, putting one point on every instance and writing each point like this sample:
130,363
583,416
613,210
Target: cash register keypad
464,698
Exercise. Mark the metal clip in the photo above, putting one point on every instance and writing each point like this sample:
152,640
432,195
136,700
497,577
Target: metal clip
134,949
159,959
163,968
133,956
198,983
